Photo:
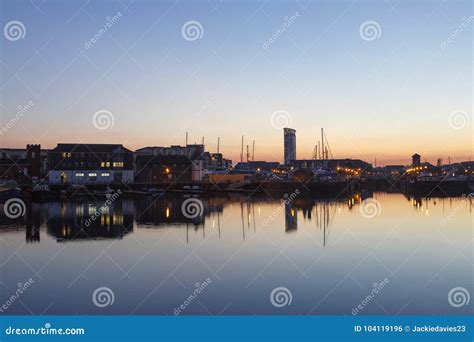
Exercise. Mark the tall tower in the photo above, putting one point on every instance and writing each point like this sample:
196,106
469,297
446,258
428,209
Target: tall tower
289,140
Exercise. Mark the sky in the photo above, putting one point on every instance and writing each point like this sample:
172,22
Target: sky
401,86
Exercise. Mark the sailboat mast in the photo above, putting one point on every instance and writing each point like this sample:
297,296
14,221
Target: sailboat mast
322,141
242,150
253,151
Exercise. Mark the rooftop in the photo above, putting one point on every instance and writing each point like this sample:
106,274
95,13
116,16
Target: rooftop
71,147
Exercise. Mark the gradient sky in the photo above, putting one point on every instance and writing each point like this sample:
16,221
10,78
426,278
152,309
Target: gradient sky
385,98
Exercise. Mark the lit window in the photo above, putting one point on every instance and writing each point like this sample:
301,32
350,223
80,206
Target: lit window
107,164
92,209
64,154
118,164
79,210
102,164
92,174
105,174
79,174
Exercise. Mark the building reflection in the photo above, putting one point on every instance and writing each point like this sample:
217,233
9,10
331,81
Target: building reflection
90,220
34,215
321,209
85,219
291,219
152,212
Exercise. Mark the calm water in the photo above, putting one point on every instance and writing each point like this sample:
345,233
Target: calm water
328,255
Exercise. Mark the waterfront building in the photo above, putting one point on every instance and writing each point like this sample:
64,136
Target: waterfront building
228,177
90,164
465,168
423,169
192,152
289,141
332,164
23,165
468,167
415,160
195,153
216,161
213,160
156,169
393,170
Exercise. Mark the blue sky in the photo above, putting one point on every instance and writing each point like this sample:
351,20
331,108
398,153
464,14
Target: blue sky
385,98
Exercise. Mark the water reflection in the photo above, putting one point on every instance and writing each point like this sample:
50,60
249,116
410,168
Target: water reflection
153,212
151,254
90,219
76,221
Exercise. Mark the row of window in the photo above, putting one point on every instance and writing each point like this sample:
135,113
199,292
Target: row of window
117,165
114,164
102,164
83,154
91,164
93,174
